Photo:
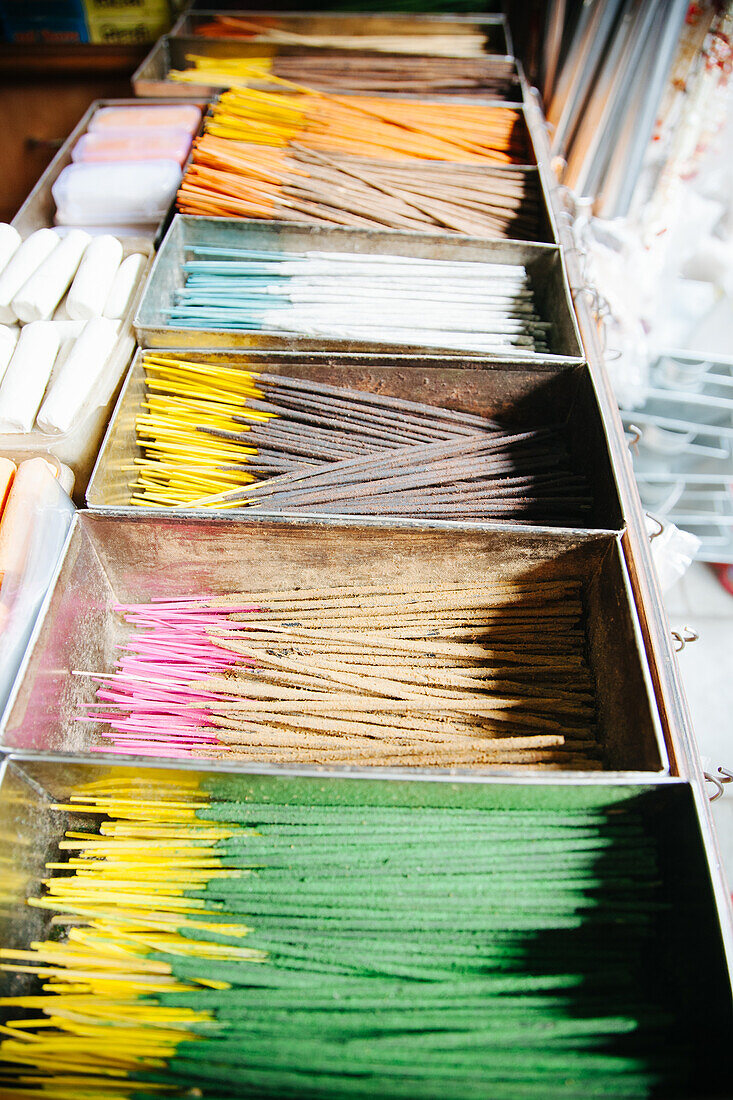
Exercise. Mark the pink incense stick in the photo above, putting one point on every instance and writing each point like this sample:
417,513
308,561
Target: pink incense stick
148,704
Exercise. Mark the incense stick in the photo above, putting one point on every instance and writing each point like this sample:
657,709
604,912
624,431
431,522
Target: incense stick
345,68
215,435
365,161
342,676
295,947
374,298
469,44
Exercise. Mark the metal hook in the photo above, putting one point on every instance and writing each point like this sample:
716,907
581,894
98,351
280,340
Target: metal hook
636,434
720,784
719,790
684,638
660,526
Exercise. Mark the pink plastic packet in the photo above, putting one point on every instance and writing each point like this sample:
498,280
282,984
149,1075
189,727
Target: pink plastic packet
181,116
133,144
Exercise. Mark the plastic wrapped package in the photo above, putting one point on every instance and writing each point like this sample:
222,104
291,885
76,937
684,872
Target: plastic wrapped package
121,193
8,339
186,116
123,286
78,446
33,529
134,144
84,367
26,378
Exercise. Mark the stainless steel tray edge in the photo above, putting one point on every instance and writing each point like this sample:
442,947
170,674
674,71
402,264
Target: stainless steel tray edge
671,700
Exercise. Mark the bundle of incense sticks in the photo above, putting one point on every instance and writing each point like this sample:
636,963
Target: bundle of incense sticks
282,948
470,44
233,179
214,435
384,299
356,160
367,126
453,674
354,69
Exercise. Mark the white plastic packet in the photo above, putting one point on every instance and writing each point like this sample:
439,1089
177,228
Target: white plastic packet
119,193
673,551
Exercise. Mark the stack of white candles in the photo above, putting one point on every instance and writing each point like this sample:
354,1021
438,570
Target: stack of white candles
62,299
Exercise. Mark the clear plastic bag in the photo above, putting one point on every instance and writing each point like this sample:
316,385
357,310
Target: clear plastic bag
116,193
673,551
112,146
39,534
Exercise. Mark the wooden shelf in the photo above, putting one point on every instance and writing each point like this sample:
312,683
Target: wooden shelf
62,61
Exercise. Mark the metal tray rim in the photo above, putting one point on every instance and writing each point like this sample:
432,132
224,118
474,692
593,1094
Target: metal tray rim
505,777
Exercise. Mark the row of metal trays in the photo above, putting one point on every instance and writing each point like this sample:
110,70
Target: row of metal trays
120,554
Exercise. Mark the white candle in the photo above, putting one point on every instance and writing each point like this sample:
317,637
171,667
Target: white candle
94,279
38,297
30,255
27,375
78,376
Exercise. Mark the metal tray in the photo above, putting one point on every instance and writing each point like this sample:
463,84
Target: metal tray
547,227
517,396
490,22
169,52
39,209
543,262
137,558
690,955
285,7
